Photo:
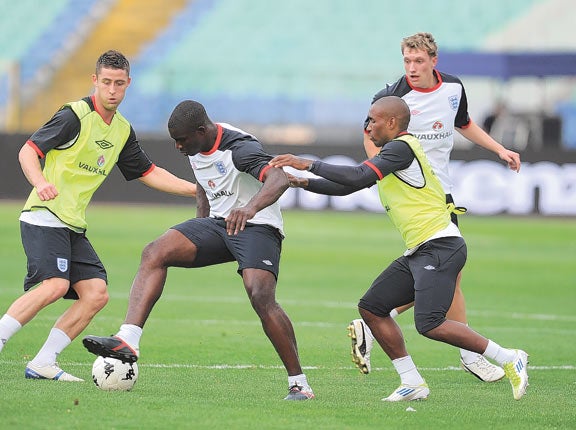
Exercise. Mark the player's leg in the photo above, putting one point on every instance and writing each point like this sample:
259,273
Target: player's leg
257,250
27,306
48,253
434,295
261,287
93,296
177,247
171,249
89,292
471,361
393,287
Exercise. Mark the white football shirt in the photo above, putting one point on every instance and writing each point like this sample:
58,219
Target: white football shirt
435,112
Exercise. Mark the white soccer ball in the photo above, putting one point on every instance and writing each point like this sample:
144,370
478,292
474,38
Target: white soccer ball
111,374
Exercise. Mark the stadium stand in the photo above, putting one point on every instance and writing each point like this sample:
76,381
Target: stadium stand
51,31
319,67
250,61
127,25
39,18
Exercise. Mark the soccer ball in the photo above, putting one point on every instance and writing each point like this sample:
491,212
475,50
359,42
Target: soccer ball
111,374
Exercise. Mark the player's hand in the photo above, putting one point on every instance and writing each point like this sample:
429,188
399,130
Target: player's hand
296,182
236,221
289,160
511,158
46,191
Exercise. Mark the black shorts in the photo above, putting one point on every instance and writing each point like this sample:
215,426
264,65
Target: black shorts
258,246
58,252
427,278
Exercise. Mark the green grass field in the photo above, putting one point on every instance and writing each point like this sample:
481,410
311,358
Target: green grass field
206,363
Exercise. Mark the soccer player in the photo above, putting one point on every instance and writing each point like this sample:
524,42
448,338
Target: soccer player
81,144
238,219
436,252
438,105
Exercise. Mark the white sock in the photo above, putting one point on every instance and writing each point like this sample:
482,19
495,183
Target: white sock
407,370
498,354
54,345
8,327
394,313
298,380
131,334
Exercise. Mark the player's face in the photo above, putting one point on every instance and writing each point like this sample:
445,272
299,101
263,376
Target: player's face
189,142
380,126
110,87
419,67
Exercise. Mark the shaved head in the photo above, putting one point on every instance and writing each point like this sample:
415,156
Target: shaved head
387,118
393,106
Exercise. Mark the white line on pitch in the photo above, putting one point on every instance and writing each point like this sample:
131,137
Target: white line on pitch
270,367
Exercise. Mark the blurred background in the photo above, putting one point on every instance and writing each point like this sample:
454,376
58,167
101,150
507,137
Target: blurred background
301,74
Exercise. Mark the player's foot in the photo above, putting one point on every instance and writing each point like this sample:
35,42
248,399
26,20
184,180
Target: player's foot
408,392
517,372
298,392
49,372
112,346
362,341
483,369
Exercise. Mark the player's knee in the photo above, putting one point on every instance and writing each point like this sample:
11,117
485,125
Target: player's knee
425,323
54,289
261,297
152,254
101,299
95,296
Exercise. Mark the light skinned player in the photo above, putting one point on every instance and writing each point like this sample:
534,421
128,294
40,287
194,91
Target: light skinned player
81,144
439,107
435,250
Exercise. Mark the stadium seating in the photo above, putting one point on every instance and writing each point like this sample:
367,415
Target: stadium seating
24,22
33,33
314,62
260,62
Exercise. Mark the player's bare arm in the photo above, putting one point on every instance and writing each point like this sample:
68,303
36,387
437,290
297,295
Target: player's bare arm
202,204
289,160
163,180
33,171
369,147
275,183
478,136
296,181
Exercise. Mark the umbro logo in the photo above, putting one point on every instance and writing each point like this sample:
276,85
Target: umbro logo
104,144
429,267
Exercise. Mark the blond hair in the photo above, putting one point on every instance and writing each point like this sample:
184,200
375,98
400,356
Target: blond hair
421,42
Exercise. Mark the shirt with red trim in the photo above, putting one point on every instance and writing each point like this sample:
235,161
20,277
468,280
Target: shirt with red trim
435,112
231,173
63,129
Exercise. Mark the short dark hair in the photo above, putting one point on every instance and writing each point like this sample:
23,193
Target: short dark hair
113,60
188,114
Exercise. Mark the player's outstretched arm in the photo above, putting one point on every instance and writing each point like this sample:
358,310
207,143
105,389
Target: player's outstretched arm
162,180
289,160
